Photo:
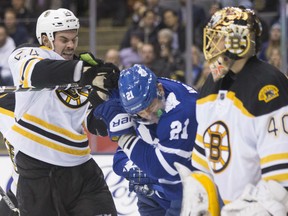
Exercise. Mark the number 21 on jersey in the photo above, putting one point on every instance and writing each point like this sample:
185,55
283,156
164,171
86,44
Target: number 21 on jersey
179,130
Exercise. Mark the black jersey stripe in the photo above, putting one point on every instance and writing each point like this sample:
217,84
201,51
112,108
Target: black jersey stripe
199,149
24,68
274,168
51,135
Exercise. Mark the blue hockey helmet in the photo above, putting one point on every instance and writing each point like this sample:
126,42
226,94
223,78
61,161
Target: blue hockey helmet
137,88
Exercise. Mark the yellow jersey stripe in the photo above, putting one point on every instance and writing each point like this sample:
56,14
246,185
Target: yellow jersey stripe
199,138
7,112
54,128
209,98
280,177
50,144
239,104
28,70
274,157
231,96
200,161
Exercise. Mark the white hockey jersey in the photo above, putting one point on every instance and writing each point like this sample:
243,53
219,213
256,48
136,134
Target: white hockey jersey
7,105
49,124
242,134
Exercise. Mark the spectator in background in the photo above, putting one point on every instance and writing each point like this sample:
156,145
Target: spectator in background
138,9
275,58
150,60
130,55
171,21
25,16
112,55
155,6
164,49
148,28
273,42
7,45
15,30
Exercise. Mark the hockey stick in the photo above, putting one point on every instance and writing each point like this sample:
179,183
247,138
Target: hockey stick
8,201
10,89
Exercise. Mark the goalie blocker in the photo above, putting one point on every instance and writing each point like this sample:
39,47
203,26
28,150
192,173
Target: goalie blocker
200,195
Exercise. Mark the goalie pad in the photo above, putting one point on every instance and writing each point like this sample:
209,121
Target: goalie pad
266,199
200,196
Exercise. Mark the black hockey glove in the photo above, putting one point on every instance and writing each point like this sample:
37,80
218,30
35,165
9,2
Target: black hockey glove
118,122
102,76
97,73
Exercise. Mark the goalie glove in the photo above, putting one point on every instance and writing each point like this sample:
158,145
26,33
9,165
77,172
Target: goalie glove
200,196
118,122
266,199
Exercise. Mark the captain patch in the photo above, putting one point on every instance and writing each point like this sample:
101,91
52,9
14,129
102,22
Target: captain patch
268,93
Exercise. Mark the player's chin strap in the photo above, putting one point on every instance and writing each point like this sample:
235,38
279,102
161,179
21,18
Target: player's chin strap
200,196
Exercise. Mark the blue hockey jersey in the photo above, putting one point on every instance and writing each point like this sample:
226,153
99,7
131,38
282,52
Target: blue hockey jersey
169,141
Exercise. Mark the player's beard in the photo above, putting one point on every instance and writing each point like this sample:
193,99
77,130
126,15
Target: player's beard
220,66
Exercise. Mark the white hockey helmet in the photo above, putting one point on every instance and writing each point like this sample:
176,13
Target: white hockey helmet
51,21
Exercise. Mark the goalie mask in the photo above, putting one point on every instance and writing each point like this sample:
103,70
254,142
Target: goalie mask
231,34
51,21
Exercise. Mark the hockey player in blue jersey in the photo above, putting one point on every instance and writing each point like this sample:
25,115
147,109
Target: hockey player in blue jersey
154,123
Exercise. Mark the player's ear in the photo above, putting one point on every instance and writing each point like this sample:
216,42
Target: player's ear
160,89
45,40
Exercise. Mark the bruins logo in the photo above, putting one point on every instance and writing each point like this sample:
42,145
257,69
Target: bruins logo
268,93
217,146
73,98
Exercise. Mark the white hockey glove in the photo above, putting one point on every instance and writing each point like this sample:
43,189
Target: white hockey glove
200,196
266,199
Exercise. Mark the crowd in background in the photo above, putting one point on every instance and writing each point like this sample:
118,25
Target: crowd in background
155,33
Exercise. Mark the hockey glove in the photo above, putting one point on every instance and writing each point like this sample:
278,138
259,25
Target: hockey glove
97,73
118,122
102,76
139,182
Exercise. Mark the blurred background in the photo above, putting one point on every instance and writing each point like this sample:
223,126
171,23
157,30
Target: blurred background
165,35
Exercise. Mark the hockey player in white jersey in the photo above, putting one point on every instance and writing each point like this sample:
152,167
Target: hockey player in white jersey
7,105
163,116
242,136
57,175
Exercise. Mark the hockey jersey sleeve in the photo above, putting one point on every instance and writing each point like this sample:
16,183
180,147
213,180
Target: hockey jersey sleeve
40,67
120,159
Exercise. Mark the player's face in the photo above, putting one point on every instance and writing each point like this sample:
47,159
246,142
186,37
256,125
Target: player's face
65,43
153,112
219,65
